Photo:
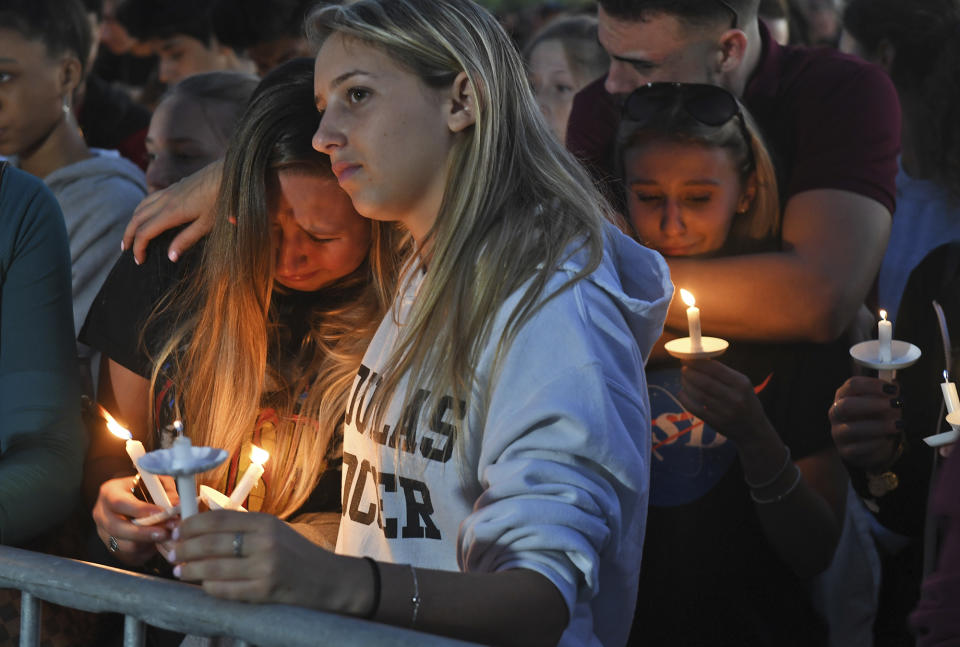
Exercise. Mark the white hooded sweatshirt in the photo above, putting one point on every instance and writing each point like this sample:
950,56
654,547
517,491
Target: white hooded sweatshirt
553,476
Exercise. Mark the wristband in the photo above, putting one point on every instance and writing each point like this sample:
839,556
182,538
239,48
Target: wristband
376,587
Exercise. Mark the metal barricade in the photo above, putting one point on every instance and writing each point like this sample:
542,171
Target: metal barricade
146,600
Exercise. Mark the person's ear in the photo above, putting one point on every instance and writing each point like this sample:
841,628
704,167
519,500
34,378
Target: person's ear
462,110
71,73
732,50
748,195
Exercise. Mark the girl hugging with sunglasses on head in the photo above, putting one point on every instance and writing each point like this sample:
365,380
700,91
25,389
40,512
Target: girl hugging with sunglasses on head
747,490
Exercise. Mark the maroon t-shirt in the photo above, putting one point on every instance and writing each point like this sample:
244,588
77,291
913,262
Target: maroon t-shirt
830,121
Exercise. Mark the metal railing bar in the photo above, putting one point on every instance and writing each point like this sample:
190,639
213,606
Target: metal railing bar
30,616
134,632
186,608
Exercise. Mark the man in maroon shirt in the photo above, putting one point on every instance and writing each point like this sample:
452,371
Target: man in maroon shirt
833,124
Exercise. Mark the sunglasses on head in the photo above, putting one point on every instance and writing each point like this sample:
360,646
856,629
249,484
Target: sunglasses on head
710,105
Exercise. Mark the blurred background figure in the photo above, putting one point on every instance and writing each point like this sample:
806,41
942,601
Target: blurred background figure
180,33
819,21
106,112
44,46
562,58
775,14
918,44
270,33
192,124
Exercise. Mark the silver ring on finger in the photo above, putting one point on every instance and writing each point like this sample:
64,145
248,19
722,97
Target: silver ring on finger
112,544
238,545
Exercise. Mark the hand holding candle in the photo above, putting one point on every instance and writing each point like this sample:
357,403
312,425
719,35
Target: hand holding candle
257,458
135,450
693,319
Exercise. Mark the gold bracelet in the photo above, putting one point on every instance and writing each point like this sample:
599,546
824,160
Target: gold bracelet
881,483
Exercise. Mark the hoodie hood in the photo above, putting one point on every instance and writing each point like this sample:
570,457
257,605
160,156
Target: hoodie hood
637,279
104,167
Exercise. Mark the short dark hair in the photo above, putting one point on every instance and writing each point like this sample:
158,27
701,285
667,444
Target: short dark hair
696,13
241,24
61,25
149,19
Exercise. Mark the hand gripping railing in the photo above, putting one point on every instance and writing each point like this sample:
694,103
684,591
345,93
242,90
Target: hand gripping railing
147,600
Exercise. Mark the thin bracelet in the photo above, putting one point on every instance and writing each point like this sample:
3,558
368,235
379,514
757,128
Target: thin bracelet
376,587
415,598
760,486
780,497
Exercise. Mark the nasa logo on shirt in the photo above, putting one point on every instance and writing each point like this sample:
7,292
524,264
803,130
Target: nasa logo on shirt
688,457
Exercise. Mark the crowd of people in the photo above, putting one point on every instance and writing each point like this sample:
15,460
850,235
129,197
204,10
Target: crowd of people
426,257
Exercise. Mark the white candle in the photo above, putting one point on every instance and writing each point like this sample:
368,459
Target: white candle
950,394
885,336
135,450
186,483
250,478
693,319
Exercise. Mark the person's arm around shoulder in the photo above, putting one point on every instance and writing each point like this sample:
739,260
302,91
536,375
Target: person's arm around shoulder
833,242
40,428
191,200
845,129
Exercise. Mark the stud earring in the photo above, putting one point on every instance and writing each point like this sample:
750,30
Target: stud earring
66,107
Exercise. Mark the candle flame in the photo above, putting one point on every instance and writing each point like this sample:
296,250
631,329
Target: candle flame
258,455
115,427
883,315
687,298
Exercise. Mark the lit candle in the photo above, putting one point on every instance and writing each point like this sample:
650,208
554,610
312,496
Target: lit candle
257,458
186,483
693,319
885,335
135,450
950,394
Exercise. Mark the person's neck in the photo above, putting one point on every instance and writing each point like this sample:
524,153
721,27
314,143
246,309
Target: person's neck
736,81
62,146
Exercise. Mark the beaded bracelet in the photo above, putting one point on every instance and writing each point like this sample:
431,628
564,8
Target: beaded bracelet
779,497
759,486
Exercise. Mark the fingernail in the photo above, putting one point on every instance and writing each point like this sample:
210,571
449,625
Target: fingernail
158,536
176,571
172,557
896,403
173,256
123,247
898,425
136,260
175,533
889,388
